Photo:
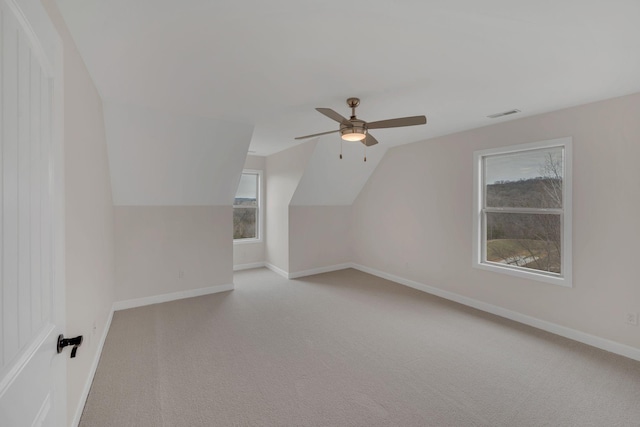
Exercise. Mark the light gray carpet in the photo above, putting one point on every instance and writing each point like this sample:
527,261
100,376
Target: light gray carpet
348,349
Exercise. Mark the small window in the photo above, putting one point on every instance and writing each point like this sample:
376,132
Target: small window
247,208
522,219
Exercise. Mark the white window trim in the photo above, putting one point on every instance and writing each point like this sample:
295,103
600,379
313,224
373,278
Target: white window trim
260,211
566,278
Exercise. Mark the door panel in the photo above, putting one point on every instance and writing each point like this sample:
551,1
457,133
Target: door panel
32,375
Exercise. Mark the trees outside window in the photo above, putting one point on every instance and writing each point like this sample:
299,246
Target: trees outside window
246,207
522,221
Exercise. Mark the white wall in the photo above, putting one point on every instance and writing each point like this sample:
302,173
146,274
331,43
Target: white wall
90,261
161,159
319,237
283,173
413,219
155,243
320,209
246,254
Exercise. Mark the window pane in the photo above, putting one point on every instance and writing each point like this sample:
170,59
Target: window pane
244,223
247,193
527,179
524,240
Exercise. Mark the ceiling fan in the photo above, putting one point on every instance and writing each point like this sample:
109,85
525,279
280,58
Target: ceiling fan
354,129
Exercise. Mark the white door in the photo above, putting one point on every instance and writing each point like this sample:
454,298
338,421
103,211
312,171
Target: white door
32,374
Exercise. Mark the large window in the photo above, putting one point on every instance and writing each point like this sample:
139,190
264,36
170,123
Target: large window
247,208
522,217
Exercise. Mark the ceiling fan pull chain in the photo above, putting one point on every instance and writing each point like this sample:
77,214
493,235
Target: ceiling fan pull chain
341,149
365,153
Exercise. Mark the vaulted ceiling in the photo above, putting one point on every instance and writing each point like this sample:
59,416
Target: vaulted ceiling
265,65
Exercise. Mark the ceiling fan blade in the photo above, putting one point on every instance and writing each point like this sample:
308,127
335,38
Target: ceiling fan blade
317,134
369,140
396,123
333,115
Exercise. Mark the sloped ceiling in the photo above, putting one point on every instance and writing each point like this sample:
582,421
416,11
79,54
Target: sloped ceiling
266,65
165,159
331,181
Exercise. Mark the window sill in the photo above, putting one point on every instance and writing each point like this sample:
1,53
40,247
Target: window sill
540,277
246,241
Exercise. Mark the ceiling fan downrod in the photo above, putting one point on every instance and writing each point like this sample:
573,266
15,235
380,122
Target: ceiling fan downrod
353,103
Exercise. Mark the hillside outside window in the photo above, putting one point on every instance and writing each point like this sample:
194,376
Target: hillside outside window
247,208
522,215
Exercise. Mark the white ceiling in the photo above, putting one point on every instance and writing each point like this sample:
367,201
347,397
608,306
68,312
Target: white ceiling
268,64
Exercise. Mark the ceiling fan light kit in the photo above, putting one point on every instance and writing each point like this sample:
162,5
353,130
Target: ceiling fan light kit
354,129
353,134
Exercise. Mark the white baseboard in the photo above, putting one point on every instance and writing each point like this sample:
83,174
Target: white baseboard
592,340
298,274
156,299
319,270
248,266
277,270
92,372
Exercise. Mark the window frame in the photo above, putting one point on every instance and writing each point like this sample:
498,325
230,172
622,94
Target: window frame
479,214
258,207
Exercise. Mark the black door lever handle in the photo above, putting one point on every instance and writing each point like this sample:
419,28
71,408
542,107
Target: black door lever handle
75,342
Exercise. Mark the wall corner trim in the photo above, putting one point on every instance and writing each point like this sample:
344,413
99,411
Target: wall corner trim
250,266
156,299
277,270
92,372
583,337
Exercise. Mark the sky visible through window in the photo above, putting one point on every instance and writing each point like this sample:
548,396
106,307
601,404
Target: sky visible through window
518,166
247,189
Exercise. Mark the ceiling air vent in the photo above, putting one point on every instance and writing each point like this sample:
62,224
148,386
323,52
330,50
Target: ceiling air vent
506,113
